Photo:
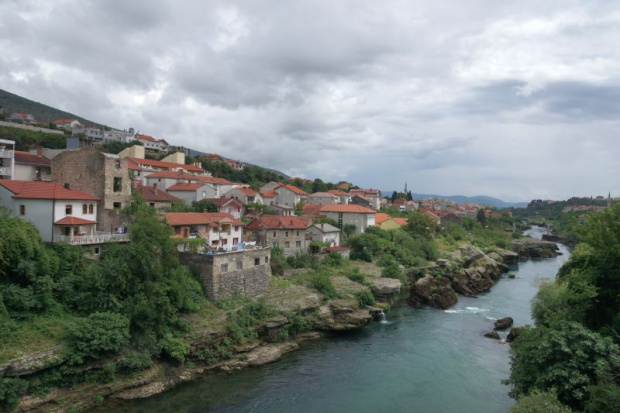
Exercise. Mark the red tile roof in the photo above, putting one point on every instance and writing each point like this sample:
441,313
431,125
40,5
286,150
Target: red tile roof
293,188
247,191
172,174
214,180
311,210
176,219
166,165
220,202
269,194
381,217
146,138
63,121
151,194
30,159
44,190
401,221
71,220
185,187
337,192
280,222
352,209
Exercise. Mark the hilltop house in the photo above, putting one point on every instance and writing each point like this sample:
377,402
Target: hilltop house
372,195
245,195
323,198
344,197
67,124
326,234
386,222
356,215
289,195
192,192
286,232
25,118
230,206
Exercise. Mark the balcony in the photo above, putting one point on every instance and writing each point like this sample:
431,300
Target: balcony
5,153
6,171
92,239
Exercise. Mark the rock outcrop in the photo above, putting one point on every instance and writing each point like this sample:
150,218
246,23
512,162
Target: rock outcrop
384,289
492,334
503,323
513,334
33,362
342,315
434,291
535,248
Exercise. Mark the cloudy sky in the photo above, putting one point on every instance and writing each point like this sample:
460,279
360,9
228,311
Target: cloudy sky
513,99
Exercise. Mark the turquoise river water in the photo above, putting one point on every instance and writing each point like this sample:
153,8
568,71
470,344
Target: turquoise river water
417,360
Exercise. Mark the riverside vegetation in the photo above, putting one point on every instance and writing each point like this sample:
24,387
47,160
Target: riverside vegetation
136,322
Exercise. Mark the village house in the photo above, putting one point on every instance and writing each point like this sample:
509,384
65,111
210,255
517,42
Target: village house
61,214
270,186
326,234
450,219
281,210
29,167
386,222
285,232
7,159
104,175
311,210
219,231
220,185
356,215
67,124
289,195
245,195
141,167
166,179
269,197
153,145
344,197
361,201
116,135
230,206
372,195
323,198
157,198
192,192
25,118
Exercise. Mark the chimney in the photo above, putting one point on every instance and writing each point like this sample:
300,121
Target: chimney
67,186
40,150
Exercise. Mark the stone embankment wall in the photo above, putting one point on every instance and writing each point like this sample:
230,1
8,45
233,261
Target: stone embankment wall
224,275
32,128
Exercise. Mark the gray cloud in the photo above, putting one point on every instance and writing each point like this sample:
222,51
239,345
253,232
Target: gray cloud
513,100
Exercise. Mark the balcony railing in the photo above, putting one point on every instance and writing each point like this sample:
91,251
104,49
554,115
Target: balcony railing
5,153
5,171
92,239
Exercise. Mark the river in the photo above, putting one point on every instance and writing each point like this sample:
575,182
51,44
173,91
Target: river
422,360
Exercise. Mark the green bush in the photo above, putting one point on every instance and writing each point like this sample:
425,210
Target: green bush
357,276
297,324
334,259
278,261
540,402
10,391
99,335
323,284
392,271
365,298
174,347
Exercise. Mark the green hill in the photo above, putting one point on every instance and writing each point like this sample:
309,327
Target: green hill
14,103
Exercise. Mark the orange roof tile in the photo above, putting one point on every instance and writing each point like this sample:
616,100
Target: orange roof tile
269,194
311,209
176,219
151,194
71,220
401,221
280,222
293,188
62,121
44,190
30,159
172,174
166,165
352,209
214,180
381,217
185,187
337,192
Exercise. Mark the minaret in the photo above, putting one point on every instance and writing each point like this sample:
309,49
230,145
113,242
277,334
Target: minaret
609,200
405,188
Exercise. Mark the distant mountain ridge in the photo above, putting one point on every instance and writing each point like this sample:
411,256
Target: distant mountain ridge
15,103
462,199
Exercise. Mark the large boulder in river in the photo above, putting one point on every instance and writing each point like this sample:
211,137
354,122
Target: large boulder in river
342,315
503,323
492,334
514,333
434,291
534,248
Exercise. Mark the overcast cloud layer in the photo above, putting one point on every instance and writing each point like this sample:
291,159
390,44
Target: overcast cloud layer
517,100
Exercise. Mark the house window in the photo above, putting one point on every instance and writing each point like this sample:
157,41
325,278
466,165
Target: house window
256,261
224,241
84,209
68,209
239,265
298,244
340,220
286,234
152,204
235,241
223,268
97,250
274,234
274,245
287,244
297,233
22,210
91,209
236,228
118,183
204,194
117,205
266,260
